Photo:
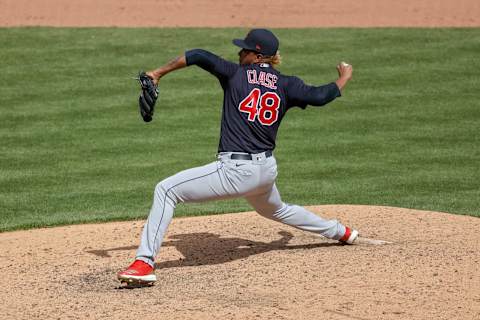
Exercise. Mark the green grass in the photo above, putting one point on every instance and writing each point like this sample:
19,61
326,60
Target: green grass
74,149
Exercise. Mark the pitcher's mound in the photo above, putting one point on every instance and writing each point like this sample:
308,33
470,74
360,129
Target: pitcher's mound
243,266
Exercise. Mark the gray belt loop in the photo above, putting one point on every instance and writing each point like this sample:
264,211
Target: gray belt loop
259,158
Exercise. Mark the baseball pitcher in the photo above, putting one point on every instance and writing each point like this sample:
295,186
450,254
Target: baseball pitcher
256,98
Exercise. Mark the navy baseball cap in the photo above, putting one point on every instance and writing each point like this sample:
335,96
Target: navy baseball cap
259,40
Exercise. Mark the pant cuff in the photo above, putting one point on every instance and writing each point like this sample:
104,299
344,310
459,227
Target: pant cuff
147,260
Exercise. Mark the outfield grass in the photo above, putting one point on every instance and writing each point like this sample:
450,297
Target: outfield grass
74,149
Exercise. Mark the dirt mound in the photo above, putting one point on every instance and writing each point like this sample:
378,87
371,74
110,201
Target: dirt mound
245,13
242,266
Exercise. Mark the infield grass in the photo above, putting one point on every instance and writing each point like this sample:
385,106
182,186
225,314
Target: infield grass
74,149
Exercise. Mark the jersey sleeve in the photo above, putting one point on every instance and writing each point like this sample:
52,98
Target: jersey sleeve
300,94
212,63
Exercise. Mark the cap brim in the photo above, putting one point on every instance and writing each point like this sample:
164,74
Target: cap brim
241,43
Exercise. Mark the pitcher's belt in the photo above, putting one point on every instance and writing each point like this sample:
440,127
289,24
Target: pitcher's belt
243,156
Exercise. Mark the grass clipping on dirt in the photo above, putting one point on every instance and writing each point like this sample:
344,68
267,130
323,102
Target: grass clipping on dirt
74,149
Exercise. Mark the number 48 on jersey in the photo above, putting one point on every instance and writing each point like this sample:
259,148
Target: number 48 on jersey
264,107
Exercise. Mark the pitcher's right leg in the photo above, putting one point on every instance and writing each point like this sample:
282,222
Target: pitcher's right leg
270,205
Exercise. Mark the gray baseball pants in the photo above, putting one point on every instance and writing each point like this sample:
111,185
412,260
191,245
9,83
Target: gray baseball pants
225,179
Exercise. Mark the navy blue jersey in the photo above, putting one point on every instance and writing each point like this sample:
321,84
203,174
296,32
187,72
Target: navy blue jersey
256,98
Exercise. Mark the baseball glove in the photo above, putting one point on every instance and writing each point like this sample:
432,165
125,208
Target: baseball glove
148,96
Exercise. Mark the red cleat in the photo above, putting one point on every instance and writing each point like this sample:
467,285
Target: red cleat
139,272
350,236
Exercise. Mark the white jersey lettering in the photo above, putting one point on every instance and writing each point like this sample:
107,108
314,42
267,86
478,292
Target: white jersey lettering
266,79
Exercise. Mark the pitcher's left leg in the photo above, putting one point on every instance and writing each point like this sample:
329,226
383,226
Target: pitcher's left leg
196,184
192,185
270,205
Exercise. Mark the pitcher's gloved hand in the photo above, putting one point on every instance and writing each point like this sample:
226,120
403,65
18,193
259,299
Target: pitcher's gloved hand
148,96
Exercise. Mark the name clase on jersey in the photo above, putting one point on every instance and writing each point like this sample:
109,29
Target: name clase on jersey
263,78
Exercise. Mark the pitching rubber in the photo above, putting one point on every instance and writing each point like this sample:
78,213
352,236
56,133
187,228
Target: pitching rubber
374,242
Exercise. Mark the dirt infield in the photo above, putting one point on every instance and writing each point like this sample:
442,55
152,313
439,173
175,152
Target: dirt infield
217,13
242,266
